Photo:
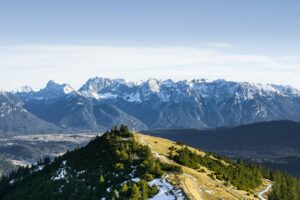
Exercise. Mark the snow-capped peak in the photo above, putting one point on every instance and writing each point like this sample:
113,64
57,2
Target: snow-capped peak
25,89
54,86
97,84
162,90
165,90
286,90
153,85
51,91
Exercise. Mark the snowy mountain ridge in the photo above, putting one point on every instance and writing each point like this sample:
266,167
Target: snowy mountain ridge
103,88
137,91
51,91
160,104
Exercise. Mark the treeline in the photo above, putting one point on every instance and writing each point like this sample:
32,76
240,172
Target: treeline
285,187
243,177
105,168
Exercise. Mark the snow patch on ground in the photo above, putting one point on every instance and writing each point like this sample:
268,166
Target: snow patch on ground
39,168
61,172
136,179
166,190
109,189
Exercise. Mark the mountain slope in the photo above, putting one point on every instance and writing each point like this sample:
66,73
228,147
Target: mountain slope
198,182
201,104
272,134
123,165
275,144
15,119
156,104
78,113
111,166
52,90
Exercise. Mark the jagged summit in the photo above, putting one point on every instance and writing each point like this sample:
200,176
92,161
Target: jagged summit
161,104
94,87
52,90
54,86
168,90
25,89
107,88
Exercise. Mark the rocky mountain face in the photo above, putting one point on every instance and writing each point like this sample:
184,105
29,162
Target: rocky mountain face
154,104
197,103
15,119
52,90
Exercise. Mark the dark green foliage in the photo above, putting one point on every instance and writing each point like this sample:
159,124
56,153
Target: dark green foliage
244,177
179,143
285,187
104,168
173,168
135,193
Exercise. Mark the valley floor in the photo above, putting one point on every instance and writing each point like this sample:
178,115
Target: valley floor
25,150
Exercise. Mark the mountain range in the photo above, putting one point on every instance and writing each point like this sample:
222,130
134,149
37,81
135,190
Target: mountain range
14,118
153,104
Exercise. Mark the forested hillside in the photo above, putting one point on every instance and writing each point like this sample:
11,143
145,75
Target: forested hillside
103,169
242,176
125,165
274,144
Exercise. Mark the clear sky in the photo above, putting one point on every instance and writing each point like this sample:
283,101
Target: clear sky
73,40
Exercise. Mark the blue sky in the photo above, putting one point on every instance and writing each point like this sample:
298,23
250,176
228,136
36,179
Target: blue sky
70,41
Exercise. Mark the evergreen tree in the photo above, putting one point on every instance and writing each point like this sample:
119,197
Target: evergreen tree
116,194
135,193
124,188
101,180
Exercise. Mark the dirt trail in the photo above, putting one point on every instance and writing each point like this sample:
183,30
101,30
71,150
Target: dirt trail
197,185
267,189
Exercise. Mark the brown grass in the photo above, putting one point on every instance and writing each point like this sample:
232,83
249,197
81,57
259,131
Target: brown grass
196,185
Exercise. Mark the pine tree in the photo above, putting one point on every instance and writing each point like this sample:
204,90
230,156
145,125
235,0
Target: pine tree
101,180
124,188
144,189
135,193
116,194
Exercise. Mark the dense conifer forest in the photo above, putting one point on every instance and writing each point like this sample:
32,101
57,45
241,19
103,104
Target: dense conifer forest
102,169
243,176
